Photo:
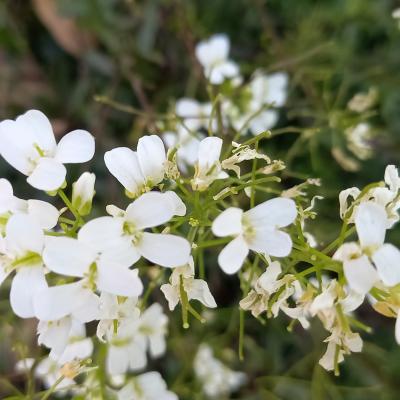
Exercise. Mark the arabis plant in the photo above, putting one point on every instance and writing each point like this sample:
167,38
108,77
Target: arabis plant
105,288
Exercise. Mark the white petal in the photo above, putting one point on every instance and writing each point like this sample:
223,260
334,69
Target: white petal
164,250
75,147
371,223
48,175
270,241
123,163
67,256
209,152
200,291
121,281
150,209
208,52
397,329
233,255
45,214
23,235
26,284
6,196
171,294
17,146
151,155
228,223
117,360
278,212
179,205
77,350
360,274
39,125
387,262
51,304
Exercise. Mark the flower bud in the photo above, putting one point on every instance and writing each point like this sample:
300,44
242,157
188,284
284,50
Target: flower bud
83,192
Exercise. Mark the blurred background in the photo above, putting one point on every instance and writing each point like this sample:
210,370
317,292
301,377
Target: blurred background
110,66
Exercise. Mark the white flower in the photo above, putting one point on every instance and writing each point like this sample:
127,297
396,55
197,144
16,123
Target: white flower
208,167
21,251
217,379
147,386
72,299
66,338
100,255
196,289
147,211
371,223
134,335
141,170
359,140
83,193
28,144
256,229
269,89
213,56
45,214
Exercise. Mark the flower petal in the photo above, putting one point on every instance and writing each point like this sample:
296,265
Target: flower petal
48,175
179,205
152,158
67,256
270,241
371,223
123,163
387,262
277,212
26,284
54,303
150,209
210,51
75,147
114,279
45,214
23,235
360,274
228,223
209,153
200,291
233,255
16,146
164,250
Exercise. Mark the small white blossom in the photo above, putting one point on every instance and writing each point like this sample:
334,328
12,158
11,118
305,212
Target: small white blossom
213,56
196,289
208,167
257,229
29,145
216,378
141,170
147,386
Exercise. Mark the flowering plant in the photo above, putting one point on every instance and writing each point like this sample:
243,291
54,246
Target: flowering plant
202,194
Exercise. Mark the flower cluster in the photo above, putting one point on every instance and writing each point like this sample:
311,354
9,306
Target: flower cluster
187,194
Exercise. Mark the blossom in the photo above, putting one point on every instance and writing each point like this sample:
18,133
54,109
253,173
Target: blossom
141,170
360,258
147,211
99,255
216,378
83,193
196,289
133,337
213,56
194,114
29,145
256,229
208,167
21,251
147,386
44,214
